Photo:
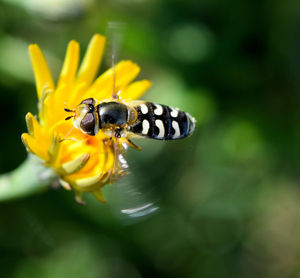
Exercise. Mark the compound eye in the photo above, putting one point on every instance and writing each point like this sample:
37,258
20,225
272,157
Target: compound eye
89,101
88,123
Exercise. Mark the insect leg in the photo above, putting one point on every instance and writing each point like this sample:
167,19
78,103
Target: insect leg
132,145
68,133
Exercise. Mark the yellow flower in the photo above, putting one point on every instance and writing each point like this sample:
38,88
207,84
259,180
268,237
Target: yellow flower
83,163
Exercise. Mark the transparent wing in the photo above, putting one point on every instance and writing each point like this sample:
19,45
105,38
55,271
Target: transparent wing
115,36
130,198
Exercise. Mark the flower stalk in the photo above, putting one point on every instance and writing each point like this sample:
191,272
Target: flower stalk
29,178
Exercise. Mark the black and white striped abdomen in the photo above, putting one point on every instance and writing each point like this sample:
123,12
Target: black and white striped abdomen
162,122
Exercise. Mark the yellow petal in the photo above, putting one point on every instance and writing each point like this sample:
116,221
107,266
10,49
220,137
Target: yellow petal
125,72
43,78
110,161
66,130
44,111
78,198
99,195
54,151
135,90
64,184
83,184
91,60
65,88
34,147
33,126
74,165
76,96
69,68
94,166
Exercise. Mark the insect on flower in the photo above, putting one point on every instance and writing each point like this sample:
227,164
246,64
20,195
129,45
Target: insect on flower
86,153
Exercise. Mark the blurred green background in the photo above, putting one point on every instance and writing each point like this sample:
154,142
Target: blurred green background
228,196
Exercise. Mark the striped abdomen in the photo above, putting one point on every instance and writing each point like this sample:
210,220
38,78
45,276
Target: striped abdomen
162,122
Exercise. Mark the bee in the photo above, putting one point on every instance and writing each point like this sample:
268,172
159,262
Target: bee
120,119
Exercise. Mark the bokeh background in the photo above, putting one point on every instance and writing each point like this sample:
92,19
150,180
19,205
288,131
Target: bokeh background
228,197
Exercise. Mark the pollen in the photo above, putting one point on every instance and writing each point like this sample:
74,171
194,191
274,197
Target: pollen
82,163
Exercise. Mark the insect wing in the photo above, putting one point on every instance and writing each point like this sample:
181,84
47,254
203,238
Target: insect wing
114,34
128,198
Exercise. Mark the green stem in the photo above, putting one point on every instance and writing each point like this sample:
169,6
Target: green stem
29,178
